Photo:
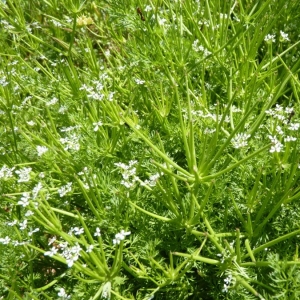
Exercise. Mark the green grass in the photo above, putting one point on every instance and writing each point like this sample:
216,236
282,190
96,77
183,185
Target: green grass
149,149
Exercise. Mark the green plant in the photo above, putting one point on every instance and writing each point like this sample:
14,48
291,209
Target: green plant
149,149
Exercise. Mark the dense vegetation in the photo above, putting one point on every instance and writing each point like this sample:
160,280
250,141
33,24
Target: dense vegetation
149,149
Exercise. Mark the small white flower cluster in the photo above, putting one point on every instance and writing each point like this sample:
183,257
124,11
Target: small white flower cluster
130,177
120,237
6,172
71,142
97,125
227,282
285,130
7,240
200,48
71,254
280,113
22,225
203,22
139,81
36,190
41,150
24,201
152,180
240,140
7,26
161,21
24,174
70,128
276,145
98,232
128,173
224,16
3,81
76,231
200,114
62,109
30,233
52,101
270,38
106,290
87,180
94,92
56,23
62,294
147,8
284,37
63,190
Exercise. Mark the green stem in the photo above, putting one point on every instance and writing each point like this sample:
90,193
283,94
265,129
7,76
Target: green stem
206,178
149,213
273,242
73,34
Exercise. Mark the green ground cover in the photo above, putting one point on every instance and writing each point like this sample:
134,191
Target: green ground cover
149,149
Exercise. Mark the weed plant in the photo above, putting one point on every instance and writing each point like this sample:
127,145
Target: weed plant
149,149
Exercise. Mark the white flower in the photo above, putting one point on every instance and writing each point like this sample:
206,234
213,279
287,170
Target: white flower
97,233
240,140
36,190
106,290
152,180
111,96
13,223
290,139
225,288
284,36
24,174
62,294
223,16
23,225
52,101
52,240
148,8
25,199
89,248
31,123
6,172
71,254
52,252
28,213
128,173
279,129
97,125
5,241
294,126
161,21
30,233
139,81
71,142
120,237
62,109
277,147
270,38
56,23
227,283
3,81
63,190
41,150
78,231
